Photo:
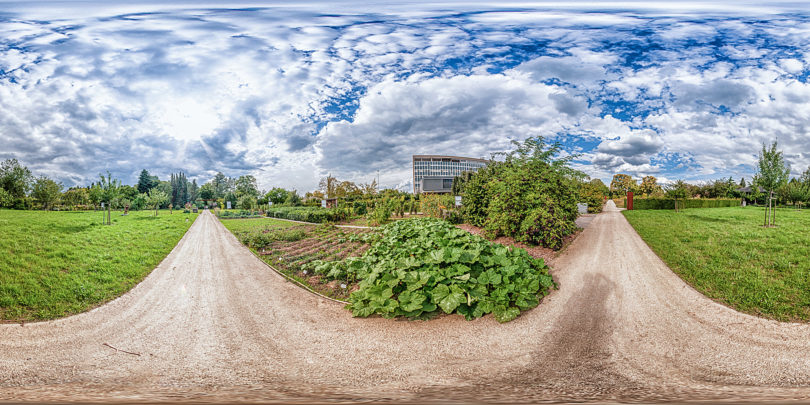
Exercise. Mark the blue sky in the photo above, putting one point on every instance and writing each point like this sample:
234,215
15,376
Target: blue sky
291,91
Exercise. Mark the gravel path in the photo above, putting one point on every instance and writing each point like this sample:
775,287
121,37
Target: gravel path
213,323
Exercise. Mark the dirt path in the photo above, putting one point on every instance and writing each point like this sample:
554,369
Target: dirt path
213,323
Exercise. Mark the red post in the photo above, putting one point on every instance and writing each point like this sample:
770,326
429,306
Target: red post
629,200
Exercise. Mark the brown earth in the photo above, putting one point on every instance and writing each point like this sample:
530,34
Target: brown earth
212,323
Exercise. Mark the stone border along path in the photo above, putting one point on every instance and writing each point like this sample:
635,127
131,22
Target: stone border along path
212,323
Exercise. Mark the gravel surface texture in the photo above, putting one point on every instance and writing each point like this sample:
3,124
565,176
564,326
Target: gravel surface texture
213,323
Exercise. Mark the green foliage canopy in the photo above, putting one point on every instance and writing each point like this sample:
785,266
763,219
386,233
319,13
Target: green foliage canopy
530,195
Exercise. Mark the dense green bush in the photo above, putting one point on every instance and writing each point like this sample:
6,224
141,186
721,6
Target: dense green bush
359,207
381,212
669,204
308,214
421,266
238,214
529,196
593,193
260,239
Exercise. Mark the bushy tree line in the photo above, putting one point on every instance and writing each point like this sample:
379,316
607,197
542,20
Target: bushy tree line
20,189
649,187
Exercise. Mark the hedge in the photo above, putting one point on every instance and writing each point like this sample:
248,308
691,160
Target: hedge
669,204
308,214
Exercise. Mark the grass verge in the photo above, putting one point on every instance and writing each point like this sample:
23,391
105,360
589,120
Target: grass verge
726,254
54,264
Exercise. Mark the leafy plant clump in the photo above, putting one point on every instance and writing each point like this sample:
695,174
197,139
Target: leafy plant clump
308,214
422,266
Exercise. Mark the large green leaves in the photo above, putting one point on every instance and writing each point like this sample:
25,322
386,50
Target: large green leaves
419,267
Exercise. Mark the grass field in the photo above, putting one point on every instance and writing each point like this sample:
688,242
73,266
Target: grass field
728,255
54,264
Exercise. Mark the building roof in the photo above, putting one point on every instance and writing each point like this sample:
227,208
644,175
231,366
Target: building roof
748,189
450,157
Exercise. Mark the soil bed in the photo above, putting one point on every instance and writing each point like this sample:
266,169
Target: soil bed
324,242
539,252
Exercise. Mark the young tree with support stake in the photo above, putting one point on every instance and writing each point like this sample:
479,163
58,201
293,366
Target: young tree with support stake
109,190
678,191
773,173
155,198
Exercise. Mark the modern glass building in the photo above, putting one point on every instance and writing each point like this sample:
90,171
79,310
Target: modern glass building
435,173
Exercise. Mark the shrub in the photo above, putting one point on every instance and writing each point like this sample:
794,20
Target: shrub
246,202
669,204
529,196
359,207
546,226
593,194
316,215
381,213
433,205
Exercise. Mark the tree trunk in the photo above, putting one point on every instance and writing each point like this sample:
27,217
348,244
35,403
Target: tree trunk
109,222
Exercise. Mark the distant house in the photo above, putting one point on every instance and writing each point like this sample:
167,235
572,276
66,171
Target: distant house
746,192
748,189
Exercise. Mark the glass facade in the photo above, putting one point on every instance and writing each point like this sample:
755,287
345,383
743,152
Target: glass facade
445,167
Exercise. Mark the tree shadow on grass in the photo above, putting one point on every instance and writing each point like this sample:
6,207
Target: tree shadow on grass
150,218
708,219
58,228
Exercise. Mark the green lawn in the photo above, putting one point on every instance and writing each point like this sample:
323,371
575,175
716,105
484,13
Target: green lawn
728,255
54,264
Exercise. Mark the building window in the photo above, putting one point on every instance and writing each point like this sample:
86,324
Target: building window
447,183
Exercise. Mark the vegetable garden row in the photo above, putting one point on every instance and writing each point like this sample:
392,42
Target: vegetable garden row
416,268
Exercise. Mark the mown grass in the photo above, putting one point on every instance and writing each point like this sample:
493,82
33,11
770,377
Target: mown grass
728,255
54,264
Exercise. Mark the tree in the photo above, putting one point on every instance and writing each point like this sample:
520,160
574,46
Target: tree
246,186
678,191
369,189
193,191
805,178
109,191
179,193
46,191
277,195
156,198
649,186
221,185
208,191
246,202
146,181
346,188
772,173
293,199
622,184
15,178
328,185
593,193
5,198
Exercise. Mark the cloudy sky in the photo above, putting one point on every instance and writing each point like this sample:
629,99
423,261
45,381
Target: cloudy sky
291,91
